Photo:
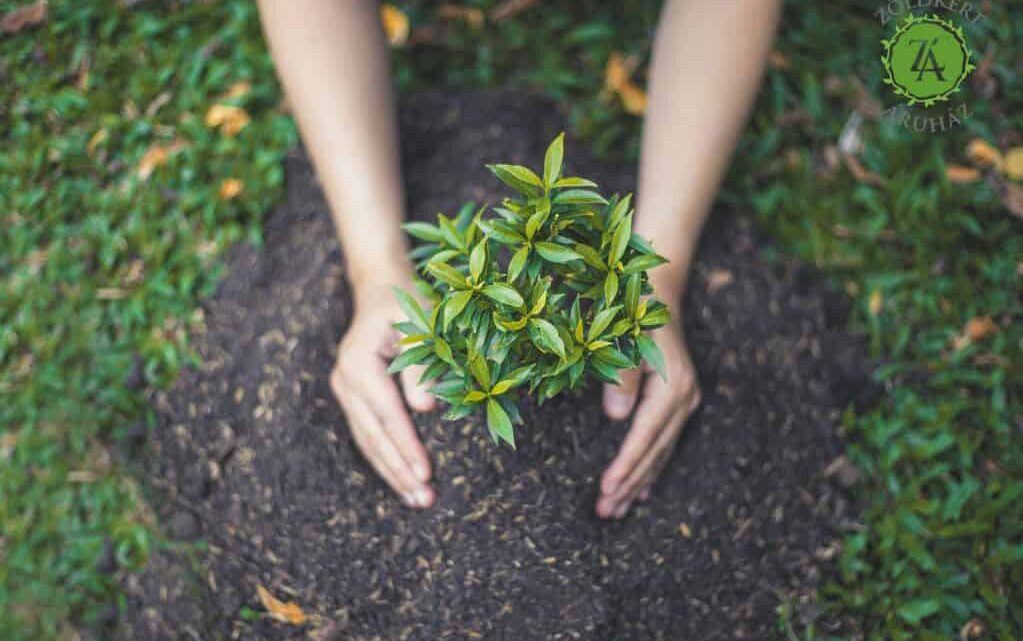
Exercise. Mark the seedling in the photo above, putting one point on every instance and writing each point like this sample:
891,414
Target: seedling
543,295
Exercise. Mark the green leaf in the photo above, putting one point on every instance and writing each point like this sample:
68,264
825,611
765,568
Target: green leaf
610,287
590,256
443,350
620,240
913,612
572,182
652,354
556,253
601,321
433,371
642,263
611,356
412,310
501,231
477,260
519,178
424,231
621,208
552,161
517,263
632,289
475,396
480,371
579,197
656,317
410,357
454,305
549,337
450,232
534,223
504,294
499,423
447,274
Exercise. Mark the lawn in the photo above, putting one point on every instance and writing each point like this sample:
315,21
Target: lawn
139,142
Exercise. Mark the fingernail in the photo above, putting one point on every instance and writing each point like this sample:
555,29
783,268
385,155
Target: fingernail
422,498
421,472
409,498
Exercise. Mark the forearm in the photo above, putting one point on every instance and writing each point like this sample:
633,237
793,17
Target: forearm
332,60
707,61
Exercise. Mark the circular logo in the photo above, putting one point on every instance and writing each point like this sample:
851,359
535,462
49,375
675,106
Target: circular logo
926,60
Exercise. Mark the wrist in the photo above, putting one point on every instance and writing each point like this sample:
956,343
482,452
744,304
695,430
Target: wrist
371,282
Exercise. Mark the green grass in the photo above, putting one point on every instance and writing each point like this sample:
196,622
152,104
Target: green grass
942,453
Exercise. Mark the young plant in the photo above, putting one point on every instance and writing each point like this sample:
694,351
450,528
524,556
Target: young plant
542,296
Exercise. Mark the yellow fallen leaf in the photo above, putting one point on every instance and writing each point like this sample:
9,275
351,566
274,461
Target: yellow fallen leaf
230,187
229,118
961,174
685,530
239,89
633,98
982,154
1014,163
718,278
289,612
616,73
876,302
96,140
157,156
396,24
976,330
617,79
777,60
27,16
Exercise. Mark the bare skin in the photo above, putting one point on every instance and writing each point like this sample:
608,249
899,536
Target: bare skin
333,63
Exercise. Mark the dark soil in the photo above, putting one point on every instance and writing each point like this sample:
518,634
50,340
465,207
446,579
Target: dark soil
252,455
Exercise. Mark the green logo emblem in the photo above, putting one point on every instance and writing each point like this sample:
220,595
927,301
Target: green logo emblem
926,60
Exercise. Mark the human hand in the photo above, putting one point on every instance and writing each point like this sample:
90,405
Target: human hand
372,402
656,426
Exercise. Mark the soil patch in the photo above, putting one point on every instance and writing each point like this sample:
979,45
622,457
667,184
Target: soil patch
252,454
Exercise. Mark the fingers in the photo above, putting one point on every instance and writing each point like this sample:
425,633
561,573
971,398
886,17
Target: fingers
382,454
659,403
377,389
642,476
416,395
619,399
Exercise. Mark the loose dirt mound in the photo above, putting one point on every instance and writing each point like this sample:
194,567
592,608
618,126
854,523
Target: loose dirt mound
253,456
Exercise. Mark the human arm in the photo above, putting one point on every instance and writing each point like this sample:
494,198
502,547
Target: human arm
332,60
707,61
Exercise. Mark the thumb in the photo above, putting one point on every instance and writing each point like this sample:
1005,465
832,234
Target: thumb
620,399
416,395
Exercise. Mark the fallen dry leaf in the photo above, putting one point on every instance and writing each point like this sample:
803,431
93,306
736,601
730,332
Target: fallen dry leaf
509,8
718,278
1012,198
157,156
875,302
982,154
861,173
288,612
633,99
617,79
395,23
974,629
239,89
1014,163
110,293
229,118
685,530
26,16
777,60
96,140
230,188
961,174
474,16
976,330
